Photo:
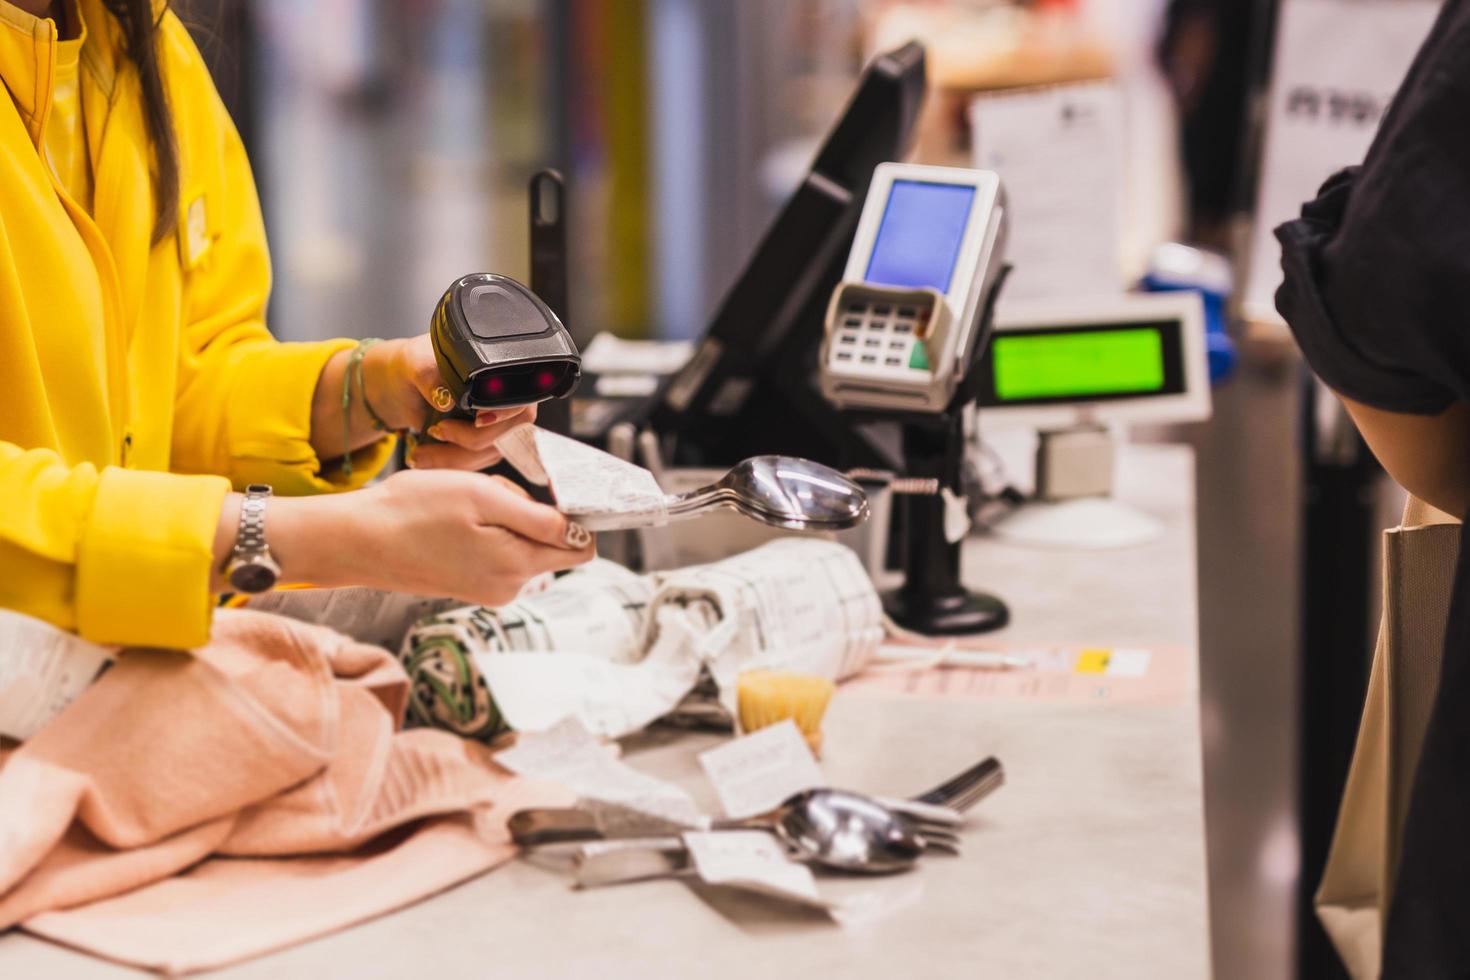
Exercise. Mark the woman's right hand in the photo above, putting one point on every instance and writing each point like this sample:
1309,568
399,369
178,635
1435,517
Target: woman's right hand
446,533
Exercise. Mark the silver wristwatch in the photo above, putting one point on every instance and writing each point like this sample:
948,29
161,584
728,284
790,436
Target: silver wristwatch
251,567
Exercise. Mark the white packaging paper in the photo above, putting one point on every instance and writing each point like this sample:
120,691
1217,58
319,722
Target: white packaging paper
567,753
593,488
795,604
42,670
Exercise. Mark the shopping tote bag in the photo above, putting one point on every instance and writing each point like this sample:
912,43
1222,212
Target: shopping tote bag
1418,575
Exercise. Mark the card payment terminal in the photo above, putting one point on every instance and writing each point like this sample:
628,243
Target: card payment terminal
905,323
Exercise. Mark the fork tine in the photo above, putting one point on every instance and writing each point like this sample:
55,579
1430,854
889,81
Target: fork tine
943,846
938,837
926,828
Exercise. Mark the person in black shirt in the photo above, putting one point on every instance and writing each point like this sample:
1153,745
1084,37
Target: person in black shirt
1377,292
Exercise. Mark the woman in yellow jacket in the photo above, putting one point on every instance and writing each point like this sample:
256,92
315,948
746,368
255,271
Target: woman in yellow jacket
138,382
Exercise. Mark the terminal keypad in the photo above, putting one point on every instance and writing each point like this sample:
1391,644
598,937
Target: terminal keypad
881,333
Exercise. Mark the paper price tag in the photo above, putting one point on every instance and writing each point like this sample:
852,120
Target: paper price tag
750,859
755,861
757,772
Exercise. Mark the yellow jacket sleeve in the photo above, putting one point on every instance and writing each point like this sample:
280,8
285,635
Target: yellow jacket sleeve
243,406
120,556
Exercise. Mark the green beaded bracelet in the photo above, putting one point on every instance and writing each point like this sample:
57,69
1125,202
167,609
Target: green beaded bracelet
354,367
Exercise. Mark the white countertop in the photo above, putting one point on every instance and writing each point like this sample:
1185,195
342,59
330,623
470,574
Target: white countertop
1089,862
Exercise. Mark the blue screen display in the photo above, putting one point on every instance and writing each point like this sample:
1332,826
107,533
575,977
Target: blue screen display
919,237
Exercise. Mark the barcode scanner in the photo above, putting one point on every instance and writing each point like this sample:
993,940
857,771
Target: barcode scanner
498,345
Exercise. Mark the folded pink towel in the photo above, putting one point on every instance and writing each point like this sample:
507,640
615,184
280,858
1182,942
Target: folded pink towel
277,738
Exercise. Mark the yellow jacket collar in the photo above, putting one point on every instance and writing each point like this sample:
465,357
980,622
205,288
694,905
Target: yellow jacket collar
28,53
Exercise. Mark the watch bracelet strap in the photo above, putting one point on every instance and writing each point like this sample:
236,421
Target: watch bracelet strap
250,537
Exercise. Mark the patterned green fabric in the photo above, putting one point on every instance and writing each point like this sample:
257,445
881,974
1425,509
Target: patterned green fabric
447,690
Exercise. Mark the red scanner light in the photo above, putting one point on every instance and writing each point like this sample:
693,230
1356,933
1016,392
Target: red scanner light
520,385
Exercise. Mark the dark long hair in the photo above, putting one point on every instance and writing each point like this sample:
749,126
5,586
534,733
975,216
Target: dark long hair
140,32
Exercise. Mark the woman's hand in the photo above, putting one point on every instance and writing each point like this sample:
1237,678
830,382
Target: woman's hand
400,377
458,535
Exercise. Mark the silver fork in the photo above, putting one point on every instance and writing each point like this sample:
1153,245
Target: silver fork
963,791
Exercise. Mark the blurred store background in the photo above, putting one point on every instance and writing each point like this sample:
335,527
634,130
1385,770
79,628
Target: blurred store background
393,141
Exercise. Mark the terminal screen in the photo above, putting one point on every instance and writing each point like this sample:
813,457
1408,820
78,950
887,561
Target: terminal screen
920,234
1066,365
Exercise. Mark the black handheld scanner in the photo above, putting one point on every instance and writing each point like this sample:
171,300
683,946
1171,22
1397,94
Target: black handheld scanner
498,345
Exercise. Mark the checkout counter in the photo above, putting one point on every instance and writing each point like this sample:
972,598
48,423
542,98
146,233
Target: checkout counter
839,344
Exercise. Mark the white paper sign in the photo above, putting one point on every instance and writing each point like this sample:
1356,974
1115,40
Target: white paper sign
1337,65
1059,154
757,772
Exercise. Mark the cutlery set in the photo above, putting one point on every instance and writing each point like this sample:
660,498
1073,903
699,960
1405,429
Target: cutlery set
830,828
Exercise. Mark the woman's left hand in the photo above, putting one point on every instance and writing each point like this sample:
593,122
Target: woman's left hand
400,377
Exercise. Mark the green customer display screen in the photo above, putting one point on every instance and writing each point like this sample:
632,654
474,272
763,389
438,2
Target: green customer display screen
1122,361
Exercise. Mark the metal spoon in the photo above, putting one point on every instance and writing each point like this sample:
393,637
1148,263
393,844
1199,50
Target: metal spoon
782,491
825,826
844,831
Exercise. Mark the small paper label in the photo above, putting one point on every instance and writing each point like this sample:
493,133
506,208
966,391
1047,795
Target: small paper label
754,861
750,859
1128,663
757,772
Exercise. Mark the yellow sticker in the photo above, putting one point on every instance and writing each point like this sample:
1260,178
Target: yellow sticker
1093,661
195,241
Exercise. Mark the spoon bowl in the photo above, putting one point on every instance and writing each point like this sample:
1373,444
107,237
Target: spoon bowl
782,491
847,832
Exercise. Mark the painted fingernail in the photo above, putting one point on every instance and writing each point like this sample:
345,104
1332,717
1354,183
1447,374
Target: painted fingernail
486,418
578,537
436,432
442,398
411,461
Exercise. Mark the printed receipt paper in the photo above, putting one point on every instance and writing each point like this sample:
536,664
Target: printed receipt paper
42,670
595,489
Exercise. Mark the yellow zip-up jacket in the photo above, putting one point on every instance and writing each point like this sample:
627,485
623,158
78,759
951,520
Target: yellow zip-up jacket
137,381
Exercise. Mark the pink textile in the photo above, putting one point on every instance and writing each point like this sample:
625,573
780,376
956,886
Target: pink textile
278,749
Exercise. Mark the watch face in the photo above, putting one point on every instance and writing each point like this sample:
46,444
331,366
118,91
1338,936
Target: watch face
252,577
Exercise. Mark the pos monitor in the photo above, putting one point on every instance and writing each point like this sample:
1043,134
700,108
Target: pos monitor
751,386
1128,359
1076,370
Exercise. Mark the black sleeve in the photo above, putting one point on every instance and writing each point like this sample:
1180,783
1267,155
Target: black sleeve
1377,268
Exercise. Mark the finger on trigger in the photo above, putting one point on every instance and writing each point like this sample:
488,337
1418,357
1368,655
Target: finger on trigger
464,433
446,456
